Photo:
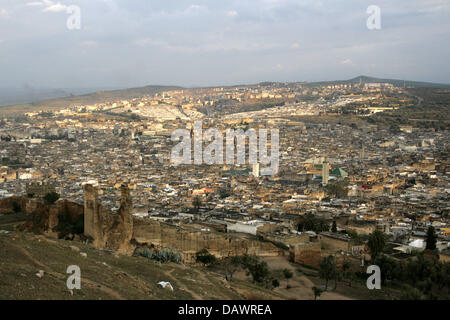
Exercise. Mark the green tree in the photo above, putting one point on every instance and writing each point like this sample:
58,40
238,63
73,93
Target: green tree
310,222
431,239
203,256
337,276
413,294
327,269
225,193
353,234
376,243
317,292
67,226
388,267
287,275
334,227
259,270
275,283
347,272
231,265
16,207
51,197
338,189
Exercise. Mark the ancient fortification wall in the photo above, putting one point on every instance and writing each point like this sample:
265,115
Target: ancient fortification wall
308,253
7,205
188,241
114,231
43,217
108,229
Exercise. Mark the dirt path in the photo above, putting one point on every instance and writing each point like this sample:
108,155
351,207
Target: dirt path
61,276
207,280
181,285
300,285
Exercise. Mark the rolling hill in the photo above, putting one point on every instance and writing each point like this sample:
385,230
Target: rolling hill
395,82
92,98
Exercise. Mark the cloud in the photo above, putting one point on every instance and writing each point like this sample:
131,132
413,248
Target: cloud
49,5
3,12
195,9
347,62
89,44
35,4
215,42
231,13
57,7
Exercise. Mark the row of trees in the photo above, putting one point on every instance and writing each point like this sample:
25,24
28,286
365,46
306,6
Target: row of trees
252,265
258,270
329,271
310,222
420,277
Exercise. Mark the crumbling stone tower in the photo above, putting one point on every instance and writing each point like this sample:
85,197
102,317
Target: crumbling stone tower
92,209
109,230
122,234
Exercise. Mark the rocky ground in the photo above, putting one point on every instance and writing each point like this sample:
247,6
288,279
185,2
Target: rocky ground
104,275
35,267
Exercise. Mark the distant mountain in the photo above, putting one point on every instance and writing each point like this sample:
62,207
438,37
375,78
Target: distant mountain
27,94
64,98
395,82
86,99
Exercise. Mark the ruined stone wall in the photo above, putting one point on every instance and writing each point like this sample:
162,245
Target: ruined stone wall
363,229
6,205
188,242
43,217
116,230
109,230
120,230
308,253
74,210
289,239
91,211
332,244
40,189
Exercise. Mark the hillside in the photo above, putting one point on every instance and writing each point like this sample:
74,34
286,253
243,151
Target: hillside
105,275
92,98
395,82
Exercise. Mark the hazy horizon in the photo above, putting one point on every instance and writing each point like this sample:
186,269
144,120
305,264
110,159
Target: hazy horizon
28,94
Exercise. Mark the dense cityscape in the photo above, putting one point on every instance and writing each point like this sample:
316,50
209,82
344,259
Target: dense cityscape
341,176
225,159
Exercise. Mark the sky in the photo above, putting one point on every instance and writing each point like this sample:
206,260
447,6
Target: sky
130,43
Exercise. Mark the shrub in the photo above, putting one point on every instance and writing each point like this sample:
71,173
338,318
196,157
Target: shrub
51,197
16,207
203,256
66,226
158,255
